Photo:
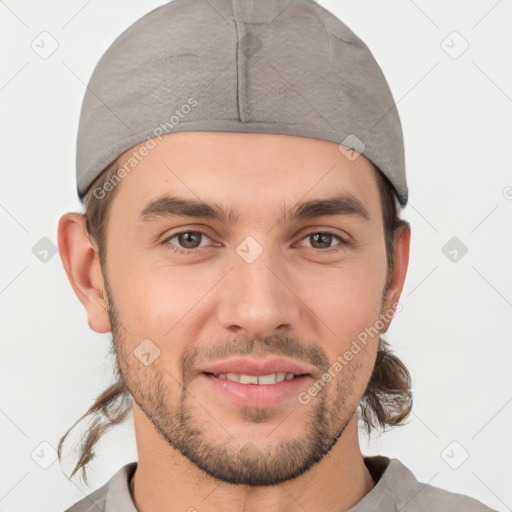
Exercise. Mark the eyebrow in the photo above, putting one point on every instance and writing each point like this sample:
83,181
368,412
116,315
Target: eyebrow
169,205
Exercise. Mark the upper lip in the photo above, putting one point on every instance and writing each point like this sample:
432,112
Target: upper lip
257,366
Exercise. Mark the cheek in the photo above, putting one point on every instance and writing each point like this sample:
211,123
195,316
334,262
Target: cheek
159,301
152,296
157,298
348,299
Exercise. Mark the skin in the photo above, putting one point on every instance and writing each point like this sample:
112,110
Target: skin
195,447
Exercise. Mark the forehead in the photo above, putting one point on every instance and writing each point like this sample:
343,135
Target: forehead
255,174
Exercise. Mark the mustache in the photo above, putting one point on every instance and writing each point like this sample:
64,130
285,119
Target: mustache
278,345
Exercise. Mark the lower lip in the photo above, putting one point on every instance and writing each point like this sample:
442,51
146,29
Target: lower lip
257,395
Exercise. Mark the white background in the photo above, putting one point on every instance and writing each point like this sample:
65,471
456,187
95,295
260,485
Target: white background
454,333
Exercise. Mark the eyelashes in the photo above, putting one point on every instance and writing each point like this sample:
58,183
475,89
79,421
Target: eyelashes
195,250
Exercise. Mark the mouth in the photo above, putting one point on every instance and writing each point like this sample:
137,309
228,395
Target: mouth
256,391
263,380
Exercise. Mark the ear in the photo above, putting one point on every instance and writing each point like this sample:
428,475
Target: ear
400,264
82,265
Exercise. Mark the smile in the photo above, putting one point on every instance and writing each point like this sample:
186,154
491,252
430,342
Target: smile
271,378
266,390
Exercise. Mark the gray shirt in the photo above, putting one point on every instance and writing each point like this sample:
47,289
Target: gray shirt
396,490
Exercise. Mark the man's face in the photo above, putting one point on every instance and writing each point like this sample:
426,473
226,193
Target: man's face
263,285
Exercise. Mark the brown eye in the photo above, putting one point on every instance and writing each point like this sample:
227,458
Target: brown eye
187,241
190,239
323,240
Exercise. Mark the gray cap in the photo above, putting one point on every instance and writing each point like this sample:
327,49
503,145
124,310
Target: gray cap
253,66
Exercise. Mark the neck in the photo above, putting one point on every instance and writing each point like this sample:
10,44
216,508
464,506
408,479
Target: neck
167,481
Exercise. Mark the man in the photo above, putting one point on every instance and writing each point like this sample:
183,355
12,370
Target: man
241,164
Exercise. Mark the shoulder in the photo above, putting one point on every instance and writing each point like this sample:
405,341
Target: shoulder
434,497
410,495
94,502
113,495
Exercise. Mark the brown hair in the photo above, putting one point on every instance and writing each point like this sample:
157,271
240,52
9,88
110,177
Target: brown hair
387,401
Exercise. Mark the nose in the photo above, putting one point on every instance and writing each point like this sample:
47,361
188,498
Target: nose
258,297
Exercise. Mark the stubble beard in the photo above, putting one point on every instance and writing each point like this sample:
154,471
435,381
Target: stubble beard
241,463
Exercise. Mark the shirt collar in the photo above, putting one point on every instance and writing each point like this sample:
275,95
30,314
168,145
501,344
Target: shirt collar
386,472
118,492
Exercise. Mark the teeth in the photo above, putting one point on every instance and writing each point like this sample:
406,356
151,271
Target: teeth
272,378
266,379
248,379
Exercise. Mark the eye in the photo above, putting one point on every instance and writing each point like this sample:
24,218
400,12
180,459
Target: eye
321,241
189,241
